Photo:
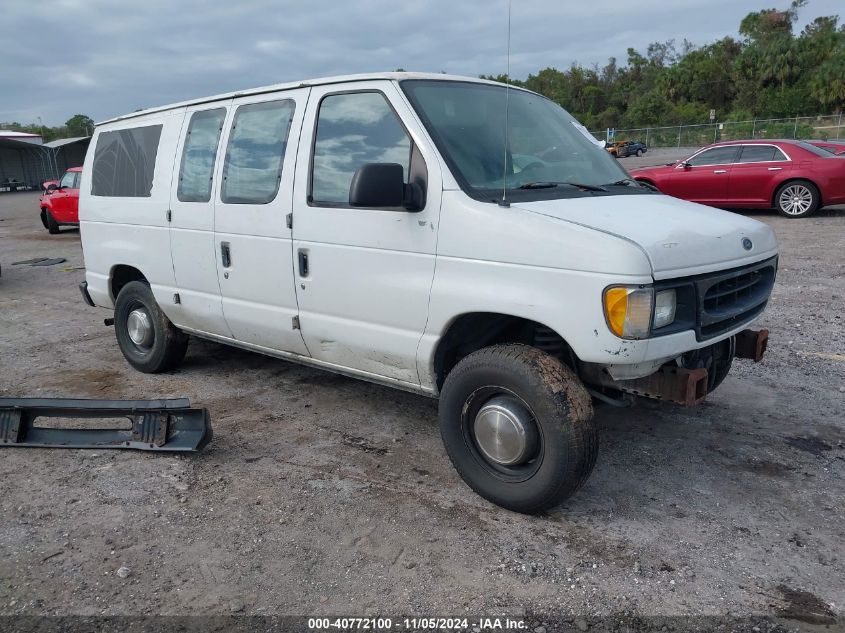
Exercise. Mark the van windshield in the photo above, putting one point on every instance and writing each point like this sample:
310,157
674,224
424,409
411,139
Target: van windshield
549,154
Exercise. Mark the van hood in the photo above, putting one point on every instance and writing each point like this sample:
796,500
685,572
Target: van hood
679,238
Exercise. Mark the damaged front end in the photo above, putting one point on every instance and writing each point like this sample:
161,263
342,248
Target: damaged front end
686,380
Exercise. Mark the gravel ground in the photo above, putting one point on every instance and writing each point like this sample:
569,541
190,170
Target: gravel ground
325,495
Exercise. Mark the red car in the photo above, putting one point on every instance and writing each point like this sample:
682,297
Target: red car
60,205
834,147
794,177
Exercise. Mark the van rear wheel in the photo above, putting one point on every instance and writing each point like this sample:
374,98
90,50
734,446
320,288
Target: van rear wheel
147,338
517,425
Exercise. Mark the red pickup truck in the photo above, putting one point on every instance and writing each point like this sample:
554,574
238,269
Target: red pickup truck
60,204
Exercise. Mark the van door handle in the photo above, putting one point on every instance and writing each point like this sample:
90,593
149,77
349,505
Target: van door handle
303,263
720,171
225,255
775,168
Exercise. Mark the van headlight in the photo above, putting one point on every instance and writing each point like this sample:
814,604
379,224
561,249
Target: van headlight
665,304
632,312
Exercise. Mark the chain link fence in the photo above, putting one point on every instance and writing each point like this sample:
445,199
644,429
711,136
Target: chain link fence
806,127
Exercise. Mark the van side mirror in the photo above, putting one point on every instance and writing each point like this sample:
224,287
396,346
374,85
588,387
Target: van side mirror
52,187
379,185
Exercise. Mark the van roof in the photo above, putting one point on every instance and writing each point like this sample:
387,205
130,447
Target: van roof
393,76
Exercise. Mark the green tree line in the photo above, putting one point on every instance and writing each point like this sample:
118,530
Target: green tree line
769,72
77,125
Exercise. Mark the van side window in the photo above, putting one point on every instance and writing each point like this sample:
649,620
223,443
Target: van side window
352,130
198,155
124,162
256,151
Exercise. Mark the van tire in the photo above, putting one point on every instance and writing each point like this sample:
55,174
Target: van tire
164,345
545,393
52,226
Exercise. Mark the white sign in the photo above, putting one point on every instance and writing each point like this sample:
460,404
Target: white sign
712,115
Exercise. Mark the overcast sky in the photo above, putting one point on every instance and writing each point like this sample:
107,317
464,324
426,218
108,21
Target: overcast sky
109,57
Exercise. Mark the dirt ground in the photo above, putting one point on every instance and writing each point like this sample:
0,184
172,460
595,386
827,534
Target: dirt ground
325,495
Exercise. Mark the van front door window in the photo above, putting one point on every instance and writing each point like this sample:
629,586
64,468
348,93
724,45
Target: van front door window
354,129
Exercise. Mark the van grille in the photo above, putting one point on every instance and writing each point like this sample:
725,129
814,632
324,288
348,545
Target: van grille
729,299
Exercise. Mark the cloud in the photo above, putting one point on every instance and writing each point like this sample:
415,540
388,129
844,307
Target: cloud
79,79
108,57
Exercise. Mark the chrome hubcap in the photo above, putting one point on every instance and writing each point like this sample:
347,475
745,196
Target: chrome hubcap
505,432
140,327
796,199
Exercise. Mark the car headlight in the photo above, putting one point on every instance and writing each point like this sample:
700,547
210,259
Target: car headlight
632,312
628,310
665,304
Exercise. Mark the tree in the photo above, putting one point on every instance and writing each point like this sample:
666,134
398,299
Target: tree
79,125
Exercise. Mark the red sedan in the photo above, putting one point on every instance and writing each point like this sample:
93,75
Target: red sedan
794,177
60,205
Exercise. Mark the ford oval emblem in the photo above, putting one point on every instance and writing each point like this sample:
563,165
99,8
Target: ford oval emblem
747,244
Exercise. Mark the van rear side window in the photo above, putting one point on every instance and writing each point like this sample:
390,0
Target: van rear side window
256,151
124,162
197,169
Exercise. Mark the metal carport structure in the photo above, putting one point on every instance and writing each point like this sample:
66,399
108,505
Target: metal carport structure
25,165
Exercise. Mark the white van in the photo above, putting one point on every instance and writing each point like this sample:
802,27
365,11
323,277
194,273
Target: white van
448,236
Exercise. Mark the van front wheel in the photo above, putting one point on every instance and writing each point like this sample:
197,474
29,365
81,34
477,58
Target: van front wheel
517,425
147,338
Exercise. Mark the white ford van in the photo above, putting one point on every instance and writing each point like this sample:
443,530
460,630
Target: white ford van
448,236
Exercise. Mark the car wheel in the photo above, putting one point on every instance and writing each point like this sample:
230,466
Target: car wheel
797,199
147,338
44,218
52,226
517,425
639,153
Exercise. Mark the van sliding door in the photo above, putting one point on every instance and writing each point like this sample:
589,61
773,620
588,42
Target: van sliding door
252,239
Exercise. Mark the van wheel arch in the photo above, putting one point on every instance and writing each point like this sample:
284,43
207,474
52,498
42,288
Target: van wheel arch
470,332
121,275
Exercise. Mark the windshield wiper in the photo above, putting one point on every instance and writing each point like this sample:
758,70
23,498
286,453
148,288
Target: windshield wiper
625,182
548,184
